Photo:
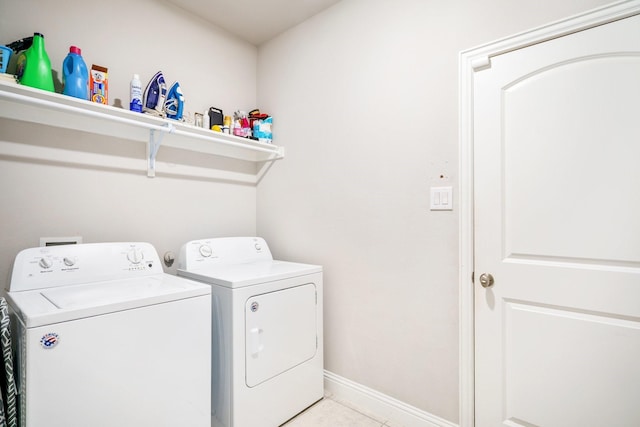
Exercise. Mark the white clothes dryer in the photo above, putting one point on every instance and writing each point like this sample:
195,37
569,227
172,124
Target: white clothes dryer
267,342
105,338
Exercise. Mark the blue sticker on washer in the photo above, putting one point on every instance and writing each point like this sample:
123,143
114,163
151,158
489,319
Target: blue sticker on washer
49,340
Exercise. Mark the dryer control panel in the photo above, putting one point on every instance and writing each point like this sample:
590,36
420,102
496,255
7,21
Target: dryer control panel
53,266
223,251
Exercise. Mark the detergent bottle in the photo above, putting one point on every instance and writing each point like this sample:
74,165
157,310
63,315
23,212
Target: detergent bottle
76,74
37,66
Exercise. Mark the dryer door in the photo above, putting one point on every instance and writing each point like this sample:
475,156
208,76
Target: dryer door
281,332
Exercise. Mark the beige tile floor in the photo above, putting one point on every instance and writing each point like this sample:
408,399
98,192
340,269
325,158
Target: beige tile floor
330,413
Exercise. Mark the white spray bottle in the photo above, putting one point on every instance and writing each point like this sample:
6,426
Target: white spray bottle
136,94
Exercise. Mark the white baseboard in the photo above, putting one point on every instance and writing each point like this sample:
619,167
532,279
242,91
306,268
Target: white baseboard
377,405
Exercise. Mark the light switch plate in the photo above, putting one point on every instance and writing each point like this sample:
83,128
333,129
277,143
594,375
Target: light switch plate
441,198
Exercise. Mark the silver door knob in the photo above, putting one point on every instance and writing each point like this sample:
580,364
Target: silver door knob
486,280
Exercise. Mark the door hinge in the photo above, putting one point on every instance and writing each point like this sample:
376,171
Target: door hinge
481,63
473,277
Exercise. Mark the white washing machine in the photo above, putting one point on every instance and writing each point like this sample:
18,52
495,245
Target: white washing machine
267,344
105,339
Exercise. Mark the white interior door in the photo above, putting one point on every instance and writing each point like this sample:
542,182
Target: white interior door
556,145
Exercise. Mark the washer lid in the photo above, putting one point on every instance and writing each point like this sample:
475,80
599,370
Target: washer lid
240,275
53,305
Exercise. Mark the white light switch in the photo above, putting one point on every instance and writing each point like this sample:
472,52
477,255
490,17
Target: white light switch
441,198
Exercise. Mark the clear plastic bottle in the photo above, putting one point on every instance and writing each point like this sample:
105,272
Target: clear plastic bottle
76,74
37,66
135,103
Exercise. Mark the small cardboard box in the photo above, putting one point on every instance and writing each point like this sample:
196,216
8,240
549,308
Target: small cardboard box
99,84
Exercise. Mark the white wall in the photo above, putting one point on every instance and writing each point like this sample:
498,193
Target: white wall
144,36
108,200
364,97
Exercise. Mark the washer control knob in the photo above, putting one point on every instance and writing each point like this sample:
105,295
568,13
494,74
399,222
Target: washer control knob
258,247
69,262
205,251
135,256
45,263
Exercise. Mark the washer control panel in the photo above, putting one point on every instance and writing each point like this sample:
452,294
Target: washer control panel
52,266
224,250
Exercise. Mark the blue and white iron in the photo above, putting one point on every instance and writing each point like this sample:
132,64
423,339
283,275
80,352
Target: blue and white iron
155,95
174,105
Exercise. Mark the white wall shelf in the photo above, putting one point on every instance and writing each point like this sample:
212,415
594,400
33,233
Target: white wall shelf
27,104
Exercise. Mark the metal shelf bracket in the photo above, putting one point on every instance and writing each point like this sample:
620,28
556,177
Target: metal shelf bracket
155,140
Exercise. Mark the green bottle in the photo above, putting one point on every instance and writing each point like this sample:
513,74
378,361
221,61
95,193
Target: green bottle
37,66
